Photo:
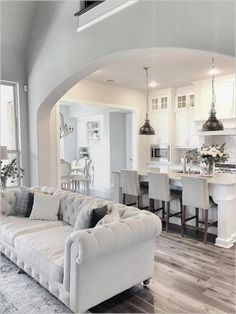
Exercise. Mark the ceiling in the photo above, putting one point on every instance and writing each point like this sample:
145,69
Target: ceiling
168,67
16,22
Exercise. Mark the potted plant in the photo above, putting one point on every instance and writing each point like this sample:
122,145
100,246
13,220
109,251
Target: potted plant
10,171
213,154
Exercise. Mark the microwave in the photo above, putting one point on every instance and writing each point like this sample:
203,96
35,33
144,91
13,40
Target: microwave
160,153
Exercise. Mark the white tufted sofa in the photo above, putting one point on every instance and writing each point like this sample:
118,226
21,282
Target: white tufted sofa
82,268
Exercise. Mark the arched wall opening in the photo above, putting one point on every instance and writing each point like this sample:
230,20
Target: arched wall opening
47,122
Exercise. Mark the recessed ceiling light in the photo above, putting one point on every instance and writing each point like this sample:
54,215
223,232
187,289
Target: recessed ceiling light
153,84
213,72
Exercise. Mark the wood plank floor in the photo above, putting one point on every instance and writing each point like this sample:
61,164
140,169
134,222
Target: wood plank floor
190,277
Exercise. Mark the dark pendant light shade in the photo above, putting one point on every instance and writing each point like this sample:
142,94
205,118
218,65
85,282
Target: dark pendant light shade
147,129
213,124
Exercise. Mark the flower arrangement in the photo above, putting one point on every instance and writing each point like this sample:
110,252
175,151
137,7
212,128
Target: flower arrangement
213,154
10,171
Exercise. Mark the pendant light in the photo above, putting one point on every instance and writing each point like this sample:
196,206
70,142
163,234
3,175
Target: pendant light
146,129
213,124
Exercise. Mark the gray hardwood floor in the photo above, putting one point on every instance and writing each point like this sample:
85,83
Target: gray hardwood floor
189,277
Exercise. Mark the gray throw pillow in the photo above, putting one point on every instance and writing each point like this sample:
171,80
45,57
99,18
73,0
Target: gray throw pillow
22,199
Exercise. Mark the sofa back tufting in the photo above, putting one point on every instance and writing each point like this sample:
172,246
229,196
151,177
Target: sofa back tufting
72,203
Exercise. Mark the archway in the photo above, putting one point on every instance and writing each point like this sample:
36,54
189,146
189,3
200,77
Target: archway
48,152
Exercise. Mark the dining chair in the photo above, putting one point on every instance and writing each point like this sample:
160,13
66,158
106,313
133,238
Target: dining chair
79,166
196,194
159,189
84,178
130,185
65,175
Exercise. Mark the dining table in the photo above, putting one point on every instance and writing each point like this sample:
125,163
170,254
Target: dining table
222,189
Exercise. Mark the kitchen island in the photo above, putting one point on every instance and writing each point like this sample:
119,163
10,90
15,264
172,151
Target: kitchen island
222,188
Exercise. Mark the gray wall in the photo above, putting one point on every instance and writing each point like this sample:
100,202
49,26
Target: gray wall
13,69
117,142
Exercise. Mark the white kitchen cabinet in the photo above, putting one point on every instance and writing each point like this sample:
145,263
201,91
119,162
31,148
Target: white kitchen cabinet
185,128
160,122
225,98
181,128
160,103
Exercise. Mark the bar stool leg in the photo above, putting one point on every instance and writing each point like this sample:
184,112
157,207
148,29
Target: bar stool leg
123,198
151,205
197,217
138,201
163,210
206,226
183,220
167,215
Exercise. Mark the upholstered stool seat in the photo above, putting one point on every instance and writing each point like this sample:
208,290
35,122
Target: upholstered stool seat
159,189
131,186
196,194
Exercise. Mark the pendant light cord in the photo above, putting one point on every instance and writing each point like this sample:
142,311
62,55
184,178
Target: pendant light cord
213,87
147,93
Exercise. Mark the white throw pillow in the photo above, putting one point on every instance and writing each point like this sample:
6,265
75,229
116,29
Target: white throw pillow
114,216
45,207
7,202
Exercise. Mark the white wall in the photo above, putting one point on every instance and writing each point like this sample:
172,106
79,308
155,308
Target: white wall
117,142
58,56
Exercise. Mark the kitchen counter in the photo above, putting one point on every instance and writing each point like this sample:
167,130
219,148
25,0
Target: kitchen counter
222,188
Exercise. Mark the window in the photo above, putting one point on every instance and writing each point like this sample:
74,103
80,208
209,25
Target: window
8,123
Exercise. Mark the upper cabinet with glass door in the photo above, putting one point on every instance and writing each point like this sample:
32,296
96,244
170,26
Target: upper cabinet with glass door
185,100
160,103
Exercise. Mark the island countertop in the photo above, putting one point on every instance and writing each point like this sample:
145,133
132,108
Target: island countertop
217,178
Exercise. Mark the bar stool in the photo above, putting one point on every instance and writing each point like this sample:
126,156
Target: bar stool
130,185
159,189
196,194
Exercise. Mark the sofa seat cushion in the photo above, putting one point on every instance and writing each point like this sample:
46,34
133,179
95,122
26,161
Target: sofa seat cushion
44,251
14,226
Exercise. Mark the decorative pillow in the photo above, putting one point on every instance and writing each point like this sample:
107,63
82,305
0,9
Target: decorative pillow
30,204
45,207
22,198
83,218
7,202
114,216
96,215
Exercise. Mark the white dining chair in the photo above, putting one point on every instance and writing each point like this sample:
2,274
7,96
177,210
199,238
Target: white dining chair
196,194
84,178
65,175
159,189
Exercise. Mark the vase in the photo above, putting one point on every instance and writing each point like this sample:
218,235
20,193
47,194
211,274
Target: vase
210,168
